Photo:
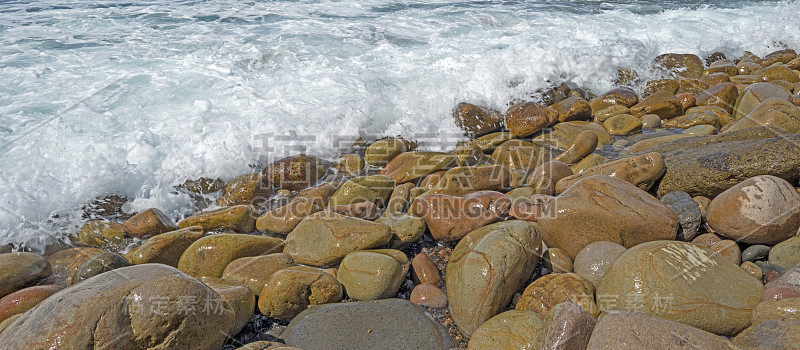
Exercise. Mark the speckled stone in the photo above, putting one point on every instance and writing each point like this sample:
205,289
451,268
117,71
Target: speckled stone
688,212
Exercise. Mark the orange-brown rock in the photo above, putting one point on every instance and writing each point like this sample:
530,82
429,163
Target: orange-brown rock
363,210
585,143
24,300
245,189
424,271
530,209
410,166
527,118
449,218
714,79
572,108
642,171
661,85
296,172
723,95
556,288
662,104
476,120
284,219
147,223
618,96
687,100
683,65
543,179
428,295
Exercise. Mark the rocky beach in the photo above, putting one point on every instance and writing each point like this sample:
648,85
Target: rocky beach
662,213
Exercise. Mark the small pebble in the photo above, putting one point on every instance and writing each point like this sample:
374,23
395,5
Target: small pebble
428,295
752,269
424,271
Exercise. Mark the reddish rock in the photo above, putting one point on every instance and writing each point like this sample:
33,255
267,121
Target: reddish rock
780,292
475,120
297,172
544,178
410,166
572,108
687,100
429,296
723,95
527,118
148,223
363,210
25,299
450,218
530,209
424,271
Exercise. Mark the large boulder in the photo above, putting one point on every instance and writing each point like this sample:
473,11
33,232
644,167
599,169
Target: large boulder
378,324
682,282
603,208
487,267
708,165
776,112
150,306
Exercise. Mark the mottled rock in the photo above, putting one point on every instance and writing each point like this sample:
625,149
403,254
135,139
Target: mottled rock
572,108
410,166
208,256
378,324
98,264
376,189
150,306
782,309
165,248
683,65
752,269
666,85
292,290
687,211
487,267
428,295
21,270
363,210
246,189
350,164
238,296
754,95
770,334
687,279
449,218
380,152
588,162
100,233
760,210
592,261
324,238
662,104
203,185
625,330
690,120
778,72
488,143
642,171
255,271
729,250
776,112
527,118
239,218
550,290
296,172
610,111
786,254
543,179
475,120
373,274
24,300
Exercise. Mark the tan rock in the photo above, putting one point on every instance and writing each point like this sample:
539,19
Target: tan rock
556,288
463,180
587,162
296,172
527,118
255,271
701,130
723,66
610,111
662,104
618,96
692,275
203,185
324,238
530,209
165,248
661,85
783,309
778,72
514,329
770,334
405,228
691,86
488,143
650,121
241,299
373,274
428,295
572,108
759,210
714,79
375,188
687,100
593,260
208,256
246,189
350,164
543,179
752,269
772,112
602,208
622,124
729,250
101,233
380,152
293,289
723,95
786,254
239,218
683,65
693,119
642,171
409,166
65,262
557,261
487,267
585,143
284,219
148,223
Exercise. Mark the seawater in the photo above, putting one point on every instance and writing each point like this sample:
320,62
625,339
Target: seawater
133,98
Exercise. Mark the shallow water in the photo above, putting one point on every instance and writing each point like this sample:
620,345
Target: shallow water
134,98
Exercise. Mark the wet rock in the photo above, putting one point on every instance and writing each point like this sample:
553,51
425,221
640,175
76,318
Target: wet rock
778,73
589,161
687,279
729,250
752,269
708,165
650,121
292,290
239,218
400,198
65,262
488,143
363,210
410,166
527,118
428,295
754,95
247,189
203,185
380,152
543,179
690,120
296,172
476,120
255,271
755,252
550,290
424,271
449,218
661,85
487,267
519,156
324,238
572,108
610,111
100,233
772,112
373,274
592,261
642,171
405,228
208,256
701,130
786,254
662,104
267,345
21,270
376,189
770,334
759,210
776,310
683,65
723,95
530,209
24,300
557,261
148,223
238,296
284,219
350,164
463,180
137,307
634,330
98,264
378,324
618,96
514,329
687,211
165,248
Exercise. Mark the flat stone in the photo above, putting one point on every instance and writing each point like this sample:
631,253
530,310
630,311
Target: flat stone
610,111
463,180
165,248
627,330
101,233
754,95
687,279
379,324
324,238
603,208
760,210
642,171
208,256
137,307
729,250
363,210
514,329
409,166
487,267
752,269
687,211
284,219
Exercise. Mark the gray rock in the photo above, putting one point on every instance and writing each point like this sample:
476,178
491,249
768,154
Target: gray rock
770,334
709,165
790,277
688,212
766,267
755,252
377,324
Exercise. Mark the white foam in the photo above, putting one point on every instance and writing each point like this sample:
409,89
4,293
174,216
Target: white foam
169,93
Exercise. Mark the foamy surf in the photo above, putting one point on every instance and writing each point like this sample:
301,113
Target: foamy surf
134,99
